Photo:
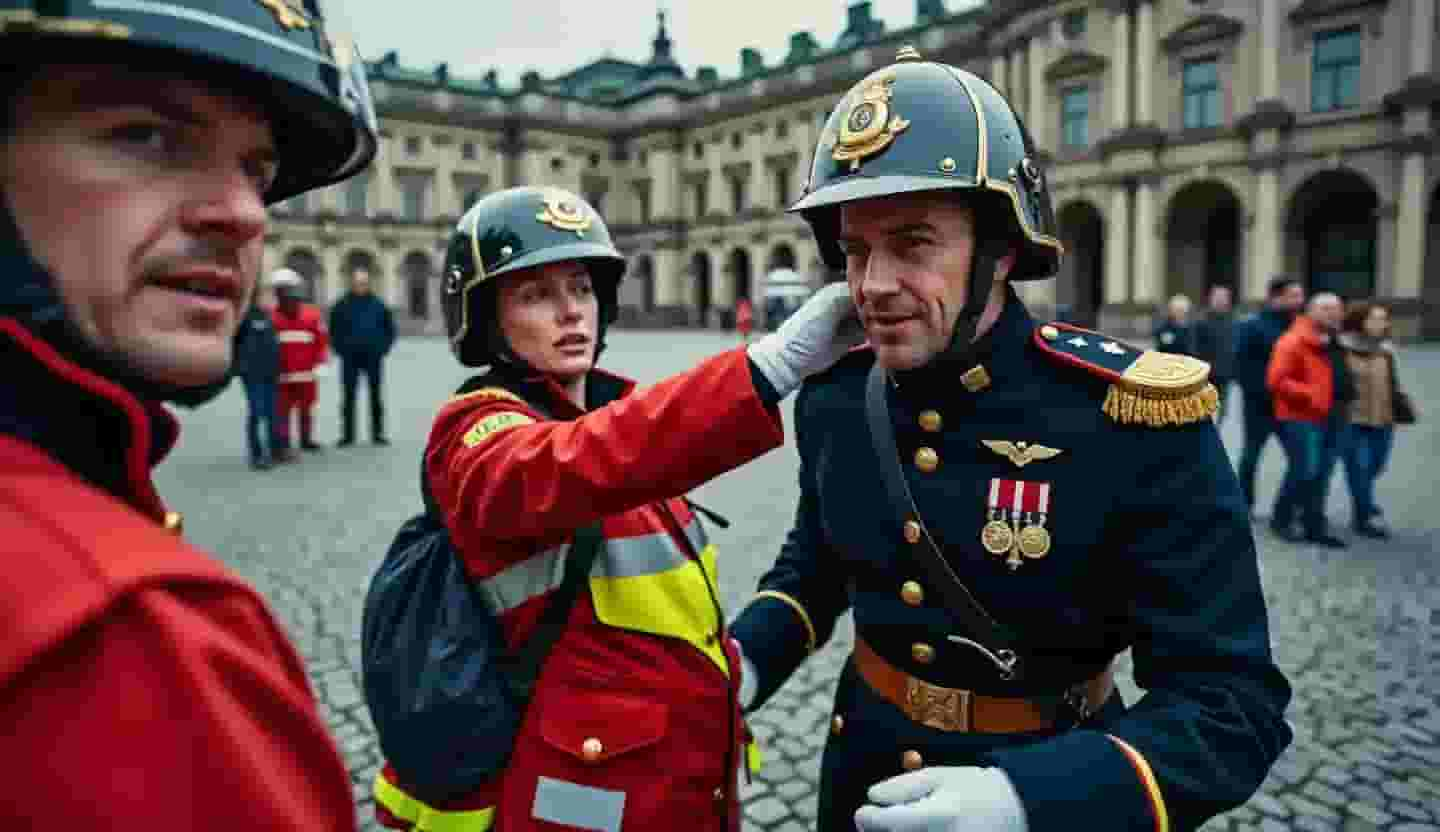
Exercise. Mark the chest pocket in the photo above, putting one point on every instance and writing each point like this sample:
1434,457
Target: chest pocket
649,584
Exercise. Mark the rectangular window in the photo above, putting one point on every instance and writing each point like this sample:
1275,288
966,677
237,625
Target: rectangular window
737,194
702,200
782,187
642,199
1075,116
414,195
1201,93
357,197
1335,74
1073,24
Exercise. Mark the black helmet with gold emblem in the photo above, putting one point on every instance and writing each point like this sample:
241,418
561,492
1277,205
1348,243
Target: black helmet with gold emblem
514,229
286,54
917,126
921,126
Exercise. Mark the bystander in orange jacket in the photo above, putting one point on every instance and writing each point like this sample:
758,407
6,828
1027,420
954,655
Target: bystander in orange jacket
1300,378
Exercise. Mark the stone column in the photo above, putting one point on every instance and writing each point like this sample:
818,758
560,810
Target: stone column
998,65
1264,235
444,202
1270,35
1016,76
1037,99
1117,247
1149,267
1145,63
1408,277
672,283
1422,36
1119,91
665,202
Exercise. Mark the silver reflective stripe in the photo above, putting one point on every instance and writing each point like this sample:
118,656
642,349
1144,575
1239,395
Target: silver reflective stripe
624,557
583,807
536,575
295,336
300,376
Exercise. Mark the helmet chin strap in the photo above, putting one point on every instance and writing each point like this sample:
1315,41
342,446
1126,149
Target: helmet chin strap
983,268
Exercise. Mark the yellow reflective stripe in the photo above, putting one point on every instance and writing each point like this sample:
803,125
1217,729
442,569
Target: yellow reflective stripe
675,603
799,610
489,393
295,336
425,818
1148,781
753,756
493,424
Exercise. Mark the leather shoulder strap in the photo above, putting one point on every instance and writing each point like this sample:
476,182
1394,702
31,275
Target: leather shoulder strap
989,637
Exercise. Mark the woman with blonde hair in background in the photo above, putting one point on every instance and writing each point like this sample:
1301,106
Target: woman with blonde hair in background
1379,404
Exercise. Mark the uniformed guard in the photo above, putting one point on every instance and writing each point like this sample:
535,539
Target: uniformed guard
634,724
1046,497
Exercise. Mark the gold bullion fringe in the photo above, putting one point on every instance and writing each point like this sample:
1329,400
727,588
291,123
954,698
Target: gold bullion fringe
1129,407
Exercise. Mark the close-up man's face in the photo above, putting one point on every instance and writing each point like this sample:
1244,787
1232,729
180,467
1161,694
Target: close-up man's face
360,282
907,258
142,195
1291,298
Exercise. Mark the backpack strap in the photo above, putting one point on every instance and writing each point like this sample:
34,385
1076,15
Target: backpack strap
523,663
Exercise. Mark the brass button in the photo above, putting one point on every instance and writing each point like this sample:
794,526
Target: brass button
174,522
1049,333
912,593
911,760
947,165
591,750
976,379
837,724
719,794
922,653
911,530
927,460
930,420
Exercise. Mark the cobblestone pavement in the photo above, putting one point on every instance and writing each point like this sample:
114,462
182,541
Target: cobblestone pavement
1358,631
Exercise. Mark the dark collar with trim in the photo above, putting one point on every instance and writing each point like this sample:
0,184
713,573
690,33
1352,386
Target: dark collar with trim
1002,353
94,427
601,388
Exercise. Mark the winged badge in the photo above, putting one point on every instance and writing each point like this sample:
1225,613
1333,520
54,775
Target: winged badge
1020,453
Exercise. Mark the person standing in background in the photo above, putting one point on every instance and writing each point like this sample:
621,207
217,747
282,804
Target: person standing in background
1311,384
744,319
304,346
257,363
1371,431
1215,341
1255,339
362,331
1174,334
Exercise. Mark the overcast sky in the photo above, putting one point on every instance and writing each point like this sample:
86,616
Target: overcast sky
554,37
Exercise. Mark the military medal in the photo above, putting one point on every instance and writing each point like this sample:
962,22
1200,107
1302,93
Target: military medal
1034,538
997,536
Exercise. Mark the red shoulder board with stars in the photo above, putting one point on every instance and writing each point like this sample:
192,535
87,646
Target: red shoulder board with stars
1146,387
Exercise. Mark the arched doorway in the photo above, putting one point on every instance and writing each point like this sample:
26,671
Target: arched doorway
304,263
782,256
738,266
700,291
1330,233
415,272
1202,241
357,259
1080,288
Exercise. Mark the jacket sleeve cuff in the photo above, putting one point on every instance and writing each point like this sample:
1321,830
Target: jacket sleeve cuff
1084,774
776,634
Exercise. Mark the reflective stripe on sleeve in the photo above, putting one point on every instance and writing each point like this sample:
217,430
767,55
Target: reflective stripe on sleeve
425,818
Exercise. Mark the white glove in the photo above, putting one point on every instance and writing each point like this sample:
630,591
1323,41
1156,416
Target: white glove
820,332
944,799
748,681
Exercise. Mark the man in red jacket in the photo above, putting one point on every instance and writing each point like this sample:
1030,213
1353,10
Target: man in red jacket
1308,379
142,684
304,346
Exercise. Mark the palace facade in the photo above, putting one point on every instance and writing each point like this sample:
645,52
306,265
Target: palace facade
1188,143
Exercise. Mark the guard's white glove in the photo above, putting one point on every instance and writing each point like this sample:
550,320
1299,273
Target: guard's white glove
817,335
944,799
748,682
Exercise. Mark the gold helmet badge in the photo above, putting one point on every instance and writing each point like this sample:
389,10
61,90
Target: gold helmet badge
869,127
562,212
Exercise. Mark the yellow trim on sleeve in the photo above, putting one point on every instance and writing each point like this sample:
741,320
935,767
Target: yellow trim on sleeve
799,610
488,393
1147,778
424,818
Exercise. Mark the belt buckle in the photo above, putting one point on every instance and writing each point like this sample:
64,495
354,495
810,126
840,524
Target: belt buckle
944,709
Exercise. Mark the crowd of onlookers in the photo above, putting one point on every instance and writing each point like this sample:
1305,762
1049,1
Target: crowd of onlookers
1317,373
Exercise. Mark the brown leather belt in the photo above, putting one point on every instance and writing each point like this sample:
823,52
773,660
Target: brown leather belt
954,709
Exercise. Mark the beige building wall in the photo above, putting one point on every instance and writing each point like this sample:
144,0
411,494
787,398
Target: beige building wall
1148,206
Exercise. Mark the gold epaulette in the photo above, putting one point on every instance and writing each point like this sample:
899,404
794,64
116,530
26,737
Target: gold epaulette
488,393
1146,387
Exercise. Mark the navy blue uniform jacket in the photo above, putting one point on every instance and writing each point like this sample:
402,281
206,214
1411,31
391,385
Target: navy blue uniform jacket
1152,551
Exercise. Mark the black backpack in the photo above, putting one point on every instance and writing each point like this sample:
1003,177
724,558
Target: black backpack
444,691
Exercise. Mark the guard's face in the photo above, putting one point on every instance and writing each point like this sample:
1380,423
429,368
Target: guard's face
907,258
549,315
142,195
